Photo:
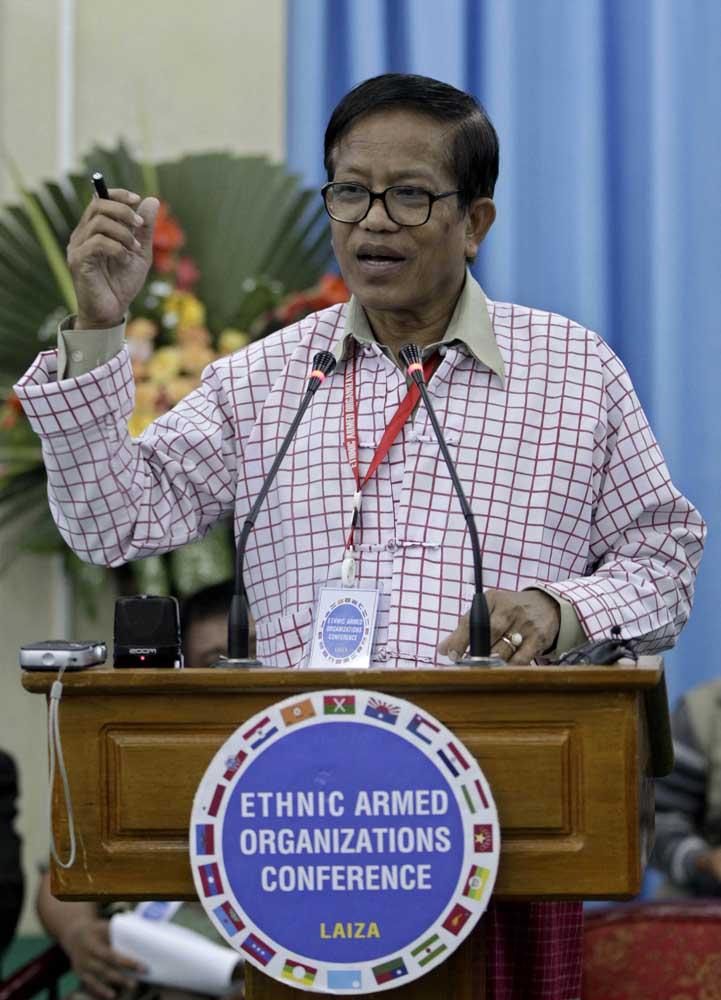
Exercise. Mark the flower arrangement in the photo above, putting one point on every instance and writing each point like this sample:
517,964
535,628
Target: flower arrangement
168,339
195,307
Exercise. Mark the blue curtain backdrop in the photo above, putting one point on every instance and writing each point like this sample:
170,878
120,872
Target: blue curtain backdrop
609,197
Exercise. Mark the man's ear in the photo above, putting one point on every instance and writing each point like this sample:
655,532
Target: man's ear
480,217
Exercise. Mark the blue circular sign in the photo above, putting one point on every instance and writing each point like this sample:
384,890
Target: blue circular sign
344,841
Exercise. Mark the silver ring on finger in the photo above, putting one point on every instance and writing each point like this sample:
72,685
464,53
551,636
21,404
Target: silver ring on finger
506,639
514,640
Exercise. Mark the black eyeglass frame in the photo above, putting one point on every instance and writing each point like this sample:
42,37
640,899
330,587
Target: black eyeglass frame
381,195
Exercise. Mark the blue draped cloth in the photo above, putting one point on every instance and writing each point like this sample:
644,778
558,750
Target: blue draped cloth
609,197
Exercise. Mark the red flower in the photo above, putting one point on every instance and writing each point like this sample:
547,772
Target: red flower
168,237
164,261
298,305
332,289
186,274
10,412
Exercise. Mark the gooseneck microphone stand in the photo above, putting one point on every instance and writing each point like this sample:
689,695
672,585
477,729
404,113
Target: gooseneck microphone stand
479,618
238,630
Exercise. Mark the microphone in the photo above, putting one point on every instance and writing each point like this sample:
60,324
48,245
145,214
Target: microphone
238,631
479,619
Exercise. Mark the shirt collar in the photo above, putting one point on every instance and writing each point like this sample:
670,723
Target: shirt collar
470,324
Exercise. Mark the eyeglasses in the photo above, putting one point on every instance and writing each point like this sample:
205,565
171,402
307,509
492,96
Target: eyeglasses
406,206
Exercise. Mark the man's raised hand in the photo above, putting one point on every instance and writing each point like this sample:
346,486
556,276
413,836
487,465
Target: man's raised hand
109,255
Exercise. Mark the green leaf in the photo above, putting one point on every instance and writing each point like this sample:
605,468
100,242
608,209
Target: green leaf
22,483
14,512
26,527
203,563
151,575
46,239
88,582
44,537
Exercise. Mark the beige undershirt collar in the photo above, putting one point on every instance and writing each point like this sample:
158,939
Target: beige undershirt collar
470,325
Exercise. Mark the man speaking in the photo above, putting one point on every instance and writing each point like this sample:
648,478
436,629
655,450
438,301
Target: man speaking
580,525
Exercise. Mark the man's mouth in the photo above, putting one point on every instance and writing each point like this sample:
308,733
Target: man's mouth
379,256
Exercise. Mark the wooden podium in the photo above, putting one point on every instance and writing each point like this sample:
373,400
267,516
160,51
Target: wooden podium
569,752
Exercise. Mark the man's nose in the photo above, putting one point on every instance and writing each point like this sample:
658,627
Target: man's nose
378,219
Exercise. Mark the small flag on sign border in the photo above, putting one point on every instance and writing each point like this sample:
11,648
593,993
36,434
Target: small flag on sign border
459,756
482,837
344,979
216,800
419,722
258,734
481,793
258,949
476,882
456,919
204,838
228,917
210,880
449,763
469,800
427,950
384,711
339,704
233,764
297,972
393,969
297,712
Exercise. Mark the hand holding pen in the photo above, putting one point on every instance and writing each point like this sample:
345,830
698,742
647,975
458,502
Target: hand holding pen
109,254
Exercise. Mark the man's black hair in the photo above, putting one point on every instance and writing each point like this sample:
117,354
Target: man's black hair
203,603
473,146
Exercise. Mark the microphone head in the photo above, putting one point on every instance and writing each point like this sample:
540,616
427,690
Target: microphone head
323,364
410,354
412,358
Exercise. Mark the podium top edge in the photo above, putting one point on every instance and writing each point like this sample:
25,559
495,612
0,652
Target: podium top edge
624,676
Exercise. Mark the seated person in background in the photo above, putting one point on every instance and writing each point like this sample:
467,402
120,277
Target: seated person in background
83,928
11,876
688,800
204,625
83,931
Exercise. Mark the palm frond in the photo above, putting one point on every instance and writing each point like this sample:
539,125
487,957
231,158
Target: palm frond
254,234
46,237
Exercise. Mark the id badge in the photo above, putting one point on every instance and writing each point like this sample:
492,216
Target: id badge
344,628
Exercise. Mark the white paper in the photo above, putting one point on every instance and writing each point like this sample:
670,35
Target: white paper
172,955
158,909
343,628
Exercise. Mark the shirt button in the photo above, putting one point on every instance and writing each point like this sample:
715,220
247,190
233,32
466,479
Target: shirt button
381,654
77,356
391,545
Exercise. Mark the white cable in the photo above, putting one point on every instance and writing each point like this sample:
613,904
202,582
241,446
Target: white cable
56,748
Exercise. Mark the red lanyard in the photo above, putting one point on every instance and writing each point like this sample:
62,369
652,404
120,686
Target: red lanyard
350,424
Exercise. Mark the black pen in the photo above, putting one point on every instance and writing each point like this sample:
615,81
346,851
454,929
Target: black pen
98,182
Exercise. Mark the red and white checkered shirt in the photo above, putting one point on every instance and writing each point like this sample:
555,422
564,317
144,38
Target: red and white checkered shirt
567,483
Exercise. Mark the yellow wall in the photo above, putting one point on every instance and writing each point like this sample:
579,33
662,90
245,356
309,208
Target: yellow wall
171,78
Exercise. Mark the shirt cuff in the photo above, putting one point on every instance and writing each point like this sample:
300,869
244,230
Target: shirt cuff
570,632
80,351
